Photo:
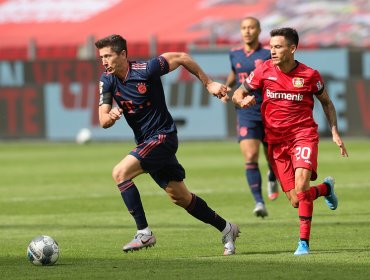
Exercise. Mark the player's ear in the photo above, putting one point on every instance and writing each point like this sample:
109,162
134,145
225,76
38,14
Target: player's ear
293,48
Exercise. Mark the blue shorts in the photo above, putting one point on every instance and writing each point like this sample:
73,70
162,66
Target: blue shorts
248,129
157,156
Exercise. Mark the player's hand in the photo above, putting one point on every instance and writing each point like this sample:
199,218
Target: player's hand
248,101
217,89
225,98
242,99
115,113
339,142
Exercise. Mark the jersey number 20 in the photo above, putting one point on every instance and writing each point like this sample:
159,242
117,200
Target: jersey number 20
303,152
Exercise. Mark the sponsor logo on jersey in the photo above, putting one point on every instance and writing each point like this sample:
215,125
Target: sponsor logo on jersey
284,95
141,87
272,78
238,65
298,82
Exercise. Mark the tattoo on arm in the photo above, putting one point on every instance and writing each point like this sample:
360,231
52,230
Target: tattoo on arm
329,109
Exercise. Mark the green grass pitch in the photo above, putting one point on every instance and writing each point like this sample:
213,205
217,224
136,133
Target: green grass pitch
66,191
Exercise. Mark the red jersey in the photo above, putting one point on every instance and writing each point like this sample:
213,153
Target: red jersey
287,106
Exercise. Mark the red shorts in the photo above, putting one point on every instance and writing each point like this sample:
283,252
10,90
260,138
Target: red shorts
287,156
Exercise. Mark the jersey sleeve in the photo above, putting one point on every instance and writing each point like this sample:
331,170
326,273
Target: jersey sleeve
254,80
105,91
317,83
157,67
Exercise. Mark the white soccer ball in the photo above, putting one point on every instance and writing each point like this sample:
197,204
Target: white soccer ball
83,136
43,250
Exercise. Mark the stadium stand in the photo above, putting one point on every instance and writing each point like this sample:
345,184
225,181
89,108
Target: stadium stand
13,53
60,28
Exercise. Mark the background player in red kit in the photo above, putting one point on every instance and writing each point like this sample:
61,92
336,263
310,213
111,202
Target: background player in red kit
250,129
288,88
137,89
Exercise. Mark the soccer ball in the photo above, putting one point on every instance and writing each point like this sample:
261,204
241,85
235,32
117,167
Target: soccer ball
43,250
83,136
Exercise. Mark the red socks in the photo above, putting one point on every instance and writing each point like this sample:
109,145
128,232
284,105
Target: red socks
305,210
319,190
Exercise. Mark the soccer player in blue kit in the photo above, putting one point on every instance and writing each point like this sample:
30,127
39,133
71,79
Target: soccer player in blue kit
250,129
137,89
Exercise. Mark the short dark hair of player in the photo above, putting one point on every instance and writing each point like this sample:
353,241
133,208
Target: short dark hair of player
116,42
254,19
290,34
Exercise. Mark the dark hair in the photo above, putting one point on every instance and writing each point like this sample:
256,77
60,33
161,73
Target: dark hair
116,42
255,19
290,34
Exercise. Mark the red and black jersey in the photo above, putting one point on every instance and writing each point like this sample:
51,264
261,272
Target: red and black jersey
287,107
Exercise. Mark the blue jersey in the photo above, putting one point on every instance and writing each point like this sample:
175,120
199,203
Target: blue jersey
243,63
141,98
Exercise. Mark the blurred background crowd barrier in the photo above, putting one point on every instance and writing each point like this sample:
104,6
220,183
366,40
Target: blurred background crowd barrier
49,69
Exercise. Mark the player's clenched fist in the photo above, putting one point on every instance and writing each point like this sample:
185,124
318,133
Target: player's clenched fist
248,101
115,113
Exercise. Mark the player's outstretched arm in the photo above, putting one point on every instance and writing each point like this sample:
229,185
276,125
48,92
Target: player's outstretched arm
175,59
331,116
242,99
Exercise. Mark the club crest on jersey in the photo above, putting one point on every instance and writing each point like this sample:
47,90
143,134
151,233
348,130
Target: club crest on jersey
238,65
141,87
298,82
243,131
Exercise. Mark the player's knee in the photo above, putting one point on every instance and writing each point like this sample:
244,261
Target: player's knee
294,202
118,174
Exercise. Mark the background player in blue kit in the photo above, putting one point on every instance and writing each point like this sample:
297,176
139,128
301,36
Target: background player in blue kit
249,122
137,89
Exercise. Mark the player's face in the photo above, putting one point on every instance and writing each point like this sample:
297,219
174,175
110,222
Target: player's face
281,51
250,31
112,62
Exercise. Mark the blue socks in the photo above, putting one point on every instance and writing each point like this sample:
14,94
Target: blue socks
254,179
199,209
271,174
131,197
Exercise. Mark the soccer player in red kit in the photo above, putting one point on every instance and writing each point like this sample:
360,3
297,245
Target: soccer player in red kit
288,88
